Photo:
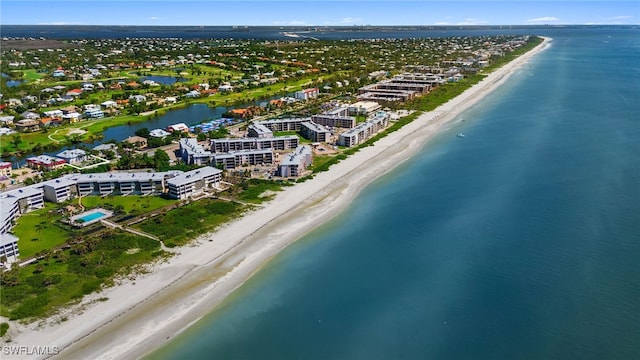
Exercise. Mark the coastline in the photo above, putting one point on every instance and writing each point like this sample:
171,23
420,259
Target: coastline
141,314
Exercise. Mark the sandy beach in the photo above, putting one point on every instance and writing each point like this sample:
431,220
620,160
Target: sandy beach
143,313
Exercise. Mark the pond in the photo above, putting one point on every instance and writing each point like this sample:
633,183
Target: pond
163,80
11,83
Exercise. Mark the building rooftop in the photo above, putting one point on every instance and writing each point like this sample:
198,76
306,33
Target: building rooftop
193,176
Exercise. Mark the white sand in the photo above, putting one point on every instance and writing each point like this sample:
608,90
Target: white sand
143,313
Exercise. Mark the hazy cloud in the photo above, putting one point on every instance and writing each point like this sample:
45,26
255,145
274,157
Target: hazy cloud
545,19
621,17
350,20
291,23
60,23
154,18
473,22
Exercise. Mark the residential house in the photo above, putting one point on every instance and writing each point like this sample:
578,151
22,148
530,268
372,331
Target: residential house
5,169
45,162
26,125
137,141
73,156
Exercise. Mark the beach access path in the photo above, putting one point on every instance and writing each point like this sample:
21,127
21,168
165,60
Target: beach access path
145,311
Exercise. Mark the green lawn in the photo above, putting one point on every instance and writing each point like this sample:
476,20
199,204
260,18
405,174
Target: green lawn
37,231
129,203
33,74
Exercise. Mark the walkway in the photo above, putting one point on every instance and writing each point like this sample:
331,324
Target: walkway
128,229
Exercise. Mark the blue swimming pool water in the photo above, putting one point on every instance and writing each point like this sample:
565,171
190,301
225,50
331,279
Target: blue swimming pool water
93,216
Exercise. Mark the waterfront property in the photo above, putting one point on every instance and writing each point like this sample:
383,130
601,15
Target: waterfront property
73,156
8,248
400,88
362,132
193,182
337,117
13,203
286,124
237,158
89,217
363,108
234,144
315,132
295,163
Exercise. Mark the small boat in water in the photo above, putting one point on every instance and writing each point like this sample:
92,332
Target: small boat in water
460,135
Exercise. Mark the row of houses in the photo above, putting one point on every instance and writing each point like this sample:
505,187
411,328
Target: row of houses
46,162
176,184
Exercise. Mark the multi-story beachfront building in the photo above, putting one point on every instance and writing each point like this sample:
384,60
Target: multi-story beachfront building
286,124
295,163
336,117
233,159
235,144
8,248
315,132
364,131
363,108
400,88
122,183
13,203
193,182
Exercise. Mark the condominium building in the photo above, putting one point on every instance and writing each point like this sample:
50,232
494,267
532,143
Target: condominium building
193,182
295,163
235,144
8,248
233,159
363,108
286,124
193,153
364,131
260,131
400,88
59,190
122,183
334,120
315,132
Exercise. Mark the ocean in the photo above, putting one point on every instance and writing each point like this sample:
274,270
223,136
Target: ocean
519,241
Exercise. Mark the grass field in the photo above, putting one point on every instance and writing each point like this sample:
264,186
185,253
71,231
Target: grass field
37,231
130,204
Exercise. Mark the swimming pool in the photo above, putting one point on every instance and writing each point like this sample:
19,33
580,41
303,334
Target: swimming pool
90,217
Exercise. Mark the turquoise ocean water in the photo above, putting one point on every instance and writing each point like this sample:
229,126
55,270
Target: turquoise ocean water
519,241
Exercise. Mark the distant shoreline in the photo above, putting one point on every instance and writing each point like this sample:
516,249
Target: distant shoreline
142,314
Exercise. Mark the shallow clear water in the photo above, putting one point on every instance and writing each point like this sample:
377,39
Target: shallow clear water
520,240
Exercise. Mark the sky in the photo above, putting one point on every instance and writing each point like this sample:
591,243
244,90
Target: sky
318,12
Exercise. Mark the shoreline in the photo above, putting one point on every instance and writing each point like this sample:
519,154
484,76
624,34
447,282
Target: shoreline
143,313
